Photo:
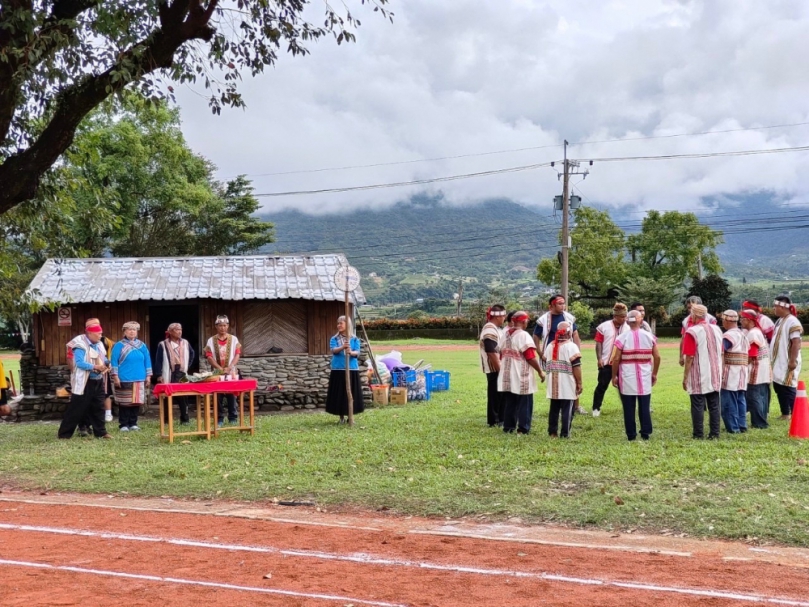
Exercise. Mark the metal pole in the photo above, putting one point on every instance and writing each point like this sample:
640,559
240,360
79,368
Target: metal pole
565,226
348,363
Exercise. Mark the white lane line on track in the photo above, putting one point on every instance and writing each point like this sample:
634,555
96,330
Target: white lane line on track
368,559
496,538
170,580
232,512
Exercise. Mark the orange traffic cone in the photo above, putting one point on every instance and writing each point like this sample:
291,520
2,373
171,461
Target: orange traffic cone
799,428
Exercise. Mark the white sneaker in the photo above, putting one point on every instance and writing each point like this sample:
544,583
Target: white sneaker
107,416
596,412
134,428
581,410
123,429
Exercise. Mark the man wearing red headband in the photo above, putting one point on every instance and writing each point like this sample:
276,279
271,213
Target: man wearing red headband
764,322
563,364
606,333
785,350
516,382
87,382
547,325
759,373
490,337
688,321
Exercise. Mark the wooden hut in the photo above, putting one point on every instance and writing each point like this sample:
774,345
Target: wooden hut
282,308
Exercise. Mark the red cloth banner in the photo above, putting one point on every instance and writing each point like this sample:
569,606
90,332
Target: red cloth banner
208,387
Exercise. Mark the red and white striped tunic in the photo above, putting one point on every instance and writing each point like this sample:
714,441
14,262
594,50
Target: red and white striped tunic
516,375
735,361
706,370
760,370
606,333
635,368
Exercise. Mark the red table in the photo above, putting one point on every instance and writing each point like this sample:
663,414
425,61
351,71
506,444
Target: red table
206,394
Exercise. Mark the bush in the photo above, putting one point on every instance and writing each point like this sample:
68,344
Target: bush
584,317
443,322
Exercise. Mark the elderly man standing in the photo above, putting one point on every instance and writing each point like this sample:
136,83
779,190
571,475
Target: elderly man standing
87,382
606,333
702,378
736,349
785,350
174,356
688,321
516,381
223,351
490,337
759,374
634,371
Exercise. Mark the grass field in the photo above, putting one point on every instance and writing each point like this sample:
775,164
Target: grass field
440,458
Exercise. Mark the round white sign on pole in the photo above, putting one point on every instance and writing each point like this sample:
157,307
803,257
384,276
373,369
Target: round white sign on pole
347,278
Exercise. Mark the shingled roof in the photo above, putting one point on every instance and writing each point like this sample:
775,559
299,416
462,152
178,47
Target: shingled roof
182,278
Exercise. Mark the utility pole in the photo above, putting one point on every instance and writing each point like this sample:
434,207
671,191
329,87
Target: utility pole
460,298
568,165
699,266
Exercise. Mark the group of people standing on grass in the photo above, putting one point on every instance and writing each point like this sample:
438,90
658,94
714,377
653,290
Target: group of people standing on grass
101,370
726,373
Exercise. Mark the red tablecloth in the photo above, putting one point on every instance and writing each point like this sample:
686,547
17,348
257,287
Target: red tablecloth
208,387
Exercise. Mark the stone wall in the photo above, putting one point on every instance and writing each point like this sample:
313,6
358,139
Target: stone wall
303,381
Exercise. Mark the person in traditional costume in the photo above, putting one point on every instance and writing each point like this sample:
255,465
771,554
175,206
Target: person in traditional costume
689,322
336,397
564,380
131,372
516,381
606,333
635,364
759,375
639,307
87,382
735,371
173,357
785,353
84,426
223,351
545,330
490,337
702,377
764,322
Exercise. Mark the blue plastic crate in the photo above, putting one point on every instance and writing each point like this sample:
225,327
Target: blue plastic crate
439,381
416,382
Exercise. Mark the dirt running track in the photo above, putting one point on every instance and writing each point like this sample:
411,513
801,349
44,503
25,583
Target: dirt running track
85,550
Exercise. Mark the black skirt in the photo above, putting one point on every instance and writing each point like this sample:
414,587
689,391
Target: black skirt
337,400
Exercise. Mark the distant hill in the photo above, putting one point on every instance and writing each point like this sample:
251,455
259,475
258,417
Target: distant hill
422,248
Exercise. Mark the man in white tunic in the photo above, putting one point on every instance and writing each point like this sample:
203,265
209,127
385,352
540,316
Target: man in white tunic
490,337
223,351
606,333
765,324
785,350
702,377
174,356
563,365
642,309
635,363
759,374
516,381
735,360
689,322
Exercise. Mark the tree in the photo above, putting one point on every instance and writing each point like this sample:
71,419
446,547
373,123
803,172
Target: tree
655,295
132,156
672,244
714,291
596,262
61,59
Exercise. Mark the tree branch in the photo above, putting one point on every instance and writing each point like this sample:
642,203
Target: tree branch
23,171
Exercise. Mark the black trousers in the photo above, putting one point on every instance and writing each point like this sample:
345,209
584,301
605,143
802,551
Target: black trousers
90,406
604,381
182,404
786,397
494,404
230,401
699,402
128,416
644,403
565,408
518,411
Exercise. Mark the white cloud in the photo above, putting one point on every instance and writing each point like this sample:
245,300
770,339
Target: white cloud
468,76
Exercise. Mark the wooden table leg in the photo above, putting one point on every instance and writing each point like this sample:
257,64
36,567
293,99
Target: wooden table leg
252,415
171,418
241,409
199,412
160,406
207,403
215,420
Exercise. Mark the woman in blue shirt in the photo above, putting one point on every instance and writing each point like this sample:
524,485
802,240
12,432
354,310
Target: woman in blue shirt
131,371
337,399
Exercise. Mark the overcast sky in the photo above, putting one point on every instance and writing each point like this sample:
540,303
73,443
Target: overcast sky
457,77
